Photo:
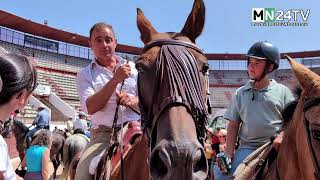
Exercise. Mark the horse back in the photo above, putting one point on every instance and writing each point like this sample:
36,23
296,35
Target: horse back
57,144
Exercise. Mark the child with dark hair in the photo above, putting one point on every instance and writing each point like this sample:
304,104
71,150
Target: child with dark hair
18,78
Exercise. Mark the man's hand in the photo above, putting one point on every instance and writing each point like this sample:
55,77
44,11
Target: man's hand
122,73
127,100
277,141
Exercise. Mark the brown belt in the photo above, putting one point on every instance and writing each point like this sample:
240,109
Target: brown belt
103,128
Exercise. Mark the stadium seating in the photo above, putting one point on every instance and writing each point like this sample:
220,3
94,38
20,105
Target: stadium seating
59,72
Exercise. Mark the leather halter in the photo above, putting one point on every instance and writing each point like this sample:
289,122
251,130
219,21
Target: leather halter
307,105
161,42
198,112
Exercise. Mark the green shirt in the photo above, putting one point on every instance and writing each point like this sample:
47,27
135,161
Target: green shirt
259,111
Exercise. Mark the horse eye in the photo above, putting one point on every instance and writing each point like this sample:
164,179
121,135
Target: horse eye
316,135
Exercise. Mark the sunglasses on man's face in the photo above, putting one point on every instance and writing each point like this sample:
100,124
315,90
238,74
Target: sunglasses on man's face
221,136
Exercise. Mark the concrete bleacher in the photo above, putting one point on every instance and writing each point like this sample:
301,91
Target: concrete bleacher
223,83
48,59
51,68
221,96
31,113
63,84
232,77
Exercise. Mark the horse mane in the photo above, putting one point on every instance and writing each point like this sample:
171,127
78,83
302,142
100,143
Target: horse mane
184,82
288,111
20,125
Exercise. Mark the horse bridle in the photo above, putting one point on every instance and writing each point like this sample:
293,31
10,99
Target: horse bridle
148,117
307,105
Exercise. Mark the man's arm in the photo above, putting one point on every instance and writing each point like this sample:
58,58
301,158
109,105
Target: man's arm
36,119
233,129
278,140
98,100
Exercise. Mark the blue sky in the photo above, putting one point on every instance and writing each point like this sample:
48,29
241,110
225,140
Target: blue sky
227,29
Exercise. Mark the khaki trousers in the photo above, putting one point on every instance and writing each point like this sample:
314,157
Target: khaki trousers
100,140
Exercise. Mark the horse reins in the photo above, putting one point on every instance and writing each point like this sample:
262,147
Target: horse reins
113,145
307,105
184,83
115,119
1,127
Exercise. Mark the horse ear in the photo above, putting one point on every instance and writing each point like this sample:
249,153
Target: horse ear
308,80
195,22
145,27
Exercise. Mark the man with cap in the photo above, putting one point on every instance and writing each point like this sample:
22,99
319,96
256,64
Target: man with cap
42,121
254,113
80,125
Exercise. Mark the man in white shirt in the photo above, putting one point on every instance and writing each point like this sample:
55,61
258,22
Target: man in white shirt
99,87
81,124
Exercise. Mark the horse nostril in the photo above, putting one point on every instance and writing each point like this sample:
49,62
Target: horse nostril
159,163
199,164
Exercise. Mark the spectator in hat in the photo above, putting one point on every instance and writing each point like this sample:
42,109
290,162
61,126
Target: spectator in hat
80,125
42,121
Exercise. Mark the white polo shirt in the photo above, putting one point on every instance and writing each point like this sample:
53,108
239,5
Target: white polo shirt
92,78
5,163
80,124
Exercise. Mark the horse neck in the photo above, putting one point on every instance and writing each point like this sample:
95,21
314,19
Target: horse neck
294,158
20,134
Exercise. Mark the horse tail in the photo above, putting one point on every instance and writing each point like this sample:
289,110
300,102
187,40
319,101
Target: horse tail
72,151
69,148
61,149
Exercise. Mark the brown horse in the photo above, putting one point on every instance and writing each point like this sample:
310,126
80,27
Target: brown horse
299,153
172,93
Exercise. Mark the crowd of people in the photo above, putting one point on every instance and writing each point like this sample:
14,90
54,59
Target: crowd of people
254,113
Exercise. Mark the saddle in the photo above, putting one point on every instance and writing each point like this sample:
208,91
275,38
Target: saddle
113,154
28,140
253,166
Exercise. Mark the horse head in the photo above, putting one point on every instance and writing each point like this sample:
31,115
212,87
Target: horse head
172,92
19,128
306,116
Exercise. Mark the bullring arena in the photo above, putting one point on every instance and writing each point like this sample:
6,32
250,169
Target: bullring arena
59,55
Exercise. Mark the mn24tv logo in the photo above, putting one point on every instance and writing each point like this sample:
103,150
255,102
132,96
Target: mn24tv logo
279,17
